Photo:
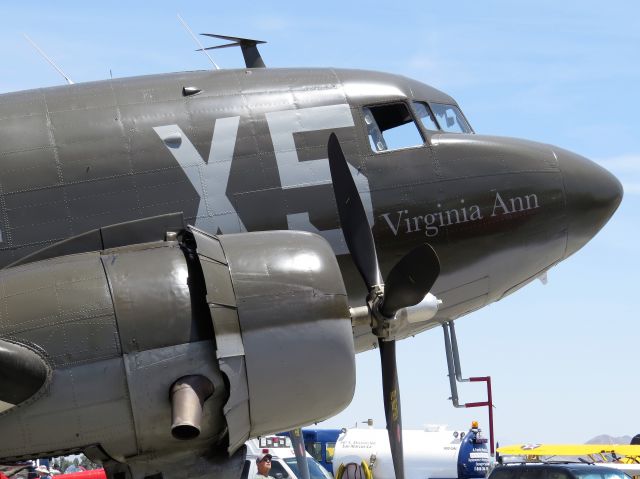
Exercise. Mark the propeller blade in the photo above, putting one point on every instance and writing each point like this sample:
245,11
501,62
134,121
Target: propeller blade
297,441
353,218
392,412
410,279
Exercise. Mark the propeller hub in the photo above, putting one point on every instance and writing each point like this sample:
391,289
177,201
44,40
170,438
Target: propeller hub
380,324
407,284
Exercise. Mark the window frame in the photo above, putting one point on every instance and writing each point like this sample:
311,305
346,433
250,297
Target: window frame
326,452
281,465
433,116
464,117
314,448
407,104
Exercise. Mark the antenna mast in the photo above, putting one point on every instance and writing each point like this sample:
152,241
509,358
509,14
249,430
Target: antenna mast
44,55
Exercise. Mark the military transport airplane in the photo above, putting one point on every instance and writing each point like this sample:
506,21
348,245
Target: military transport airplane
158,348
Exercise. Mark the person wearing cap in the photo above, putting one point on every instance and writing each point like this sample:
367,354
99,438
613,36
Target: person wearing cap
43,472
264,466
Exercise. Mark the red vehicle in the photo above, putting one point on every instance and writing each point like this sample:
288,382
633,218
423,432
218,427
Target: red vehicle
91,474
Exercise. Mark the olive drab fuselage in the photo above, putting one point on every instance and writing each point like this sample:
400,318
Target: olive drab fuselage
248,152
158,348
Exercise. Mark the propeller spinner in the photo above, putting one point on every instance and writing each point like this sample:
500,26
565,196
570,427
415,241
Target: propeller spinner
407,284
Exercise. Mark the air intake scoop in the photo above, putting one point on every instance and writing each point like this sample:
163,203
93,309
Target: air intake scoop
22,374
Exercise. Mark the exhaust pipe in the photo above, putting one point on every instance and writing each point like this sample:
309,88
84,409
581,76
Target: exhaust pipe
188,394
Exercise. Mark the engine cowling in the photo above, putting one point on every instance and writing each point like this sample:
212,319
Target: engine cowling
279,306
263,317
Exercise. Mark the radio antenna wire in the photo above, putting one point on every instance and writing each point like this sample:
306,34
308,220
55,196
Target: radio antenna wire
184,24
44,55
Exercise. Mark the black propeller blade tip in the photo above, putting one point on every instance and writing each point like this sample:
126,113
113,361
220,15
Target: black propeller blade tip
353,218
410,279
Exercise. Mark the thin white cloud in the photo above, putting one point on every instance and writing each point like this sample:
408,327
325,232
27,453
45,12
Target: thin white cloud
272,22
422,62
632,188
629,162
627,169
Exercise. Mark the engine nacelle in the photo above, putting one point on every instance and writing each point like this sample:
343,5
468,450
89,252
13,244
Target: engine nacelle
280,313
118,337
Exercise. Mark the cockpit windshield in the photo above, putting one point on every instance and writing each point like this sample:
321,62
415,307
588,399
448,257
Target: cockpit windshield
426,117
450,118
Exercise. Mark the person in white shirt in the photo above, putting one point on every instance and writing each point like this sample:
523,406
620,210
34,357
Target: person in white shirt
264,466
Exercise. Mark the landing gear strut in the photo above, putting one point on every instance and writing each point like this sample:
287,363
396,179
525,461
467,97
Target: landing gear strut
455,376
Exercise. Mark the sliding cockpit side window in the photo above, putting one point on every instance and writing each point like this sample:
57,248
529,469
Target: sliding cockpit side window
423,112
450,118
391,127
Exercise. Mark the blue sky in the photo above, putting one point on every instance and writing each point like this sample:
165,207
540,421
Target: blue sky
563,357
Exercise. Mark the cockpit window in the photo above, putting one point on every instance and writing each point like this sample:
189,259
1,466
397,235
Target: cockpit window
391,127
450,118
426,117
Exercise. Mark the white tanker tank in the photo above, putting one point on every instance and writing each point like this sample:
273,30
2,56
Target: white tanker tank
433,453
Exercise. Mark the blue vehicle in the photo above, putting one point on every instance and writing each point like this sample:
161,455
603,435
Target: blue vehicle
320,443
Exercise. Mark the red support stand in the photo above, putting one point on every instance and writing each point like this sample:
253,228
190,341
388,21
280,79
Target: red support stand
488,403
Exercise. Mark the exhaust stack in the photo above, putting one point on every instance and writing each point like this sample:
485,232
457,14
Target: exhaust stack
188,394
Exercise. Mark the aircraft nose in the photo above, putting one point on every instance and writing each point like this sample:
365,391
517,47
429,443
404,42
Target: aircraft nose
592,196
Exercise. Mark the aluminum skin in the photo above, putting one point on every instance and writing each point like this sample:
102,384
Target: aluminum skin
96,342
105,331
249,153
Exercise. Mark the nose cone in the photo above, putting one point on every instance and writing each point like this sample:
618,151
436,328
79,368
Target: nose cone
592,195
